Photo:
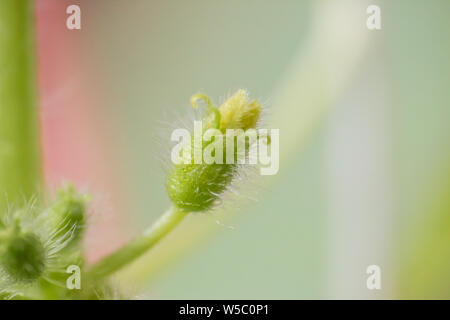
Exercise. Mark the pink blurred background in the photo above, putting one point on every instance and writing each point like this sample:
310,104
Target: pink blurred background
75,147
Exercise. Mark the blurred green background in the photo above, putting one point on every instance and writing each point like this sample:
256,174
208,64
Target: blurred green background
364,128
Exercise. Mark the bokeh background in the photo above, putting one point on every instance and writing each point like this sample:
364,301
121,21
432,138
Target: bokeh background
364,140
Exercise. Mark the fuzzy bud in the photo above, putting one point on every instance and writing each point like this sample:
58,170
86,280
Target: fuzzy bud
195,187
69,212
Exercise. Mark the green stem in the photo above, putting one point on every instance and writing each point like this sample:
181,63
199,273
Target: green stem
114,262
19,143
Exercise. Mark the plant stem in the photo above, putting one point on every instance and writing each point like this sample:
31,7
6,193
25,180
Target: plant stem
19,143
114,262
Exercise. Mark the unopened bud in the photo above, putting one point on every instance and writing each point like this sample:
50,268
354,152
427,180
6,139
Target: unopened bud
23,257
195,187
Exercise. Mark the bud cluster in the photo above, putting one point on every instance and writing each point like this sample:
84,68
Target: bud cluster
36,243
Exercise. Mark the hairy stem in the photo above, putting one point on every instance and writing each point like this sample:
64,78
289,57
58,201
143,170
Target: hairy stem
117,260
19,143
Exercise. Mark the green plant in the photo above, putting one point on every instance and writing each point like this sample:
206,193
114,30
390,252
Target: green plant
41,238
38,242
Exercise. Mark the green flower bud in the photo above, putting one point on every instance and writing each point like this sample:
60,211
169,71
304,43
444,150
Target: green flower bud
195,187
69,213
23,257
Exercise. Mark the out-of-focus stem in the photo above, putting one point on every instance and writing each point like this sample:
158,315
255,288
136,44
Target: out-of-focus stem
19,143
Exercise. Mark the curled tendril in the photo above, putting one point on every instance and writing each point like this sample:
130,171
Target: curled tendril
201,96
210,108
